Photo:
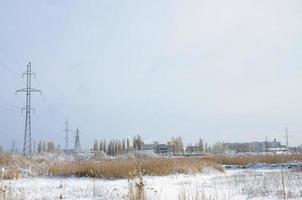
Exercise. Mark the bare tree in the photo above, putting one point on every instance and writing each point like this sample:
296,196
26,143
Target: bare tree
96,145
128,143
50,147
40,147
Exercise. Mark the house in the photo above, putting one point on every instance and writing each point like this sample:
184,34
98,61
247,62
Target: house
164,149
151,146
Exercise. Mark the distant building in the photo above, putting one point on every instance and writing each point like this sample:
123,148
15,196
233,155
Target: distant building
297,149
150,146
192,150
277,149
164,149
68,151
265,146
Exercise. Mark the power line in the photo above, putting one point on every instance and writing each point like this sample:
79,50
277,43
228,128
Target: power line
8,108
8,104
13,75
41,121
11,57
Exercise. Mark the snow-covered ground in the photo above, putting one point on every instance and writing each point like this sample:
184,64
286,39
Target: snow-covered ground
253,183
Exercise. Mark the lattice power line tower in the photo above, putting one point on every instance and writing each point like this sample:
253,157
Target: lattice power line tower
27,150
77,143
66,134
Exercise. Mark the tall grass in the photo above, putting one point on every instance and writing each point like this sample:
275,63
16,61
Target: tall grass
137,185
14,165
114,169
281,184
5,159
253,159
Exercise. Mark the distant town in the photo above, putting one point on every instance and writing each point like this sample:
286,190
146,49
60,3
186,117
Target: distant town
173,147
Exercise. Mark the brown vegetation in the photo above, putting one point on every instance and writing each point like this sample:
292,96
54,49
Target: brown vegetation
10,173
160,167
11,166
137,185
5,159
252,159
112,169
119,168
7,170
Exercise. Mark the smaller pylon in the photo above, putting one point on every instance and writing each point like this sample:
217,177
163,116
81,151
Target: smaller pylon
77,145
66,134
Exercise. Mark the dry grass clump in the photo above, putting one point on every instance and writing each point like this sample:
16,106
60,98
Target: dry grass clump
113,169
137,185
10,173
163,167
5,159
253,159
7,170
15,165
279,184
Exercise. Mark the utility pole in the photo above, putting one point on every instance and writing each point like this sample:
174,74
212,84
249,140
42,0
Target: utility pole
27,151
34,147
286,136
13,150
266,145
77,145
66,134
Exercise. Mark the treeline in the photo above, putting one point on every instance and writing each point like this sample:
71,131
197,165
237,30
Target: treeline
117,147
175,145
49,147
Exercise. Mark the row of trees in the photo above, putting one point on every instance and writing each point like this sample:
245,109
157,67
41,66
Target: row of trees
118,147
177,144
47,147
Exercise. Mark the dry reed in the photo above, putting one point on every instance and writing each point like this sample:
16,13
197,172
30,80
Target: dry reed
5,159
253,159
113,169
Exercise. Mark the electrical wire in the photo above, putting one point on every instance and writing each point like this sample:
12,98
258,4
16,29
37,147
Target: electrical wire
17,64
8,104
8,108
13,75
41,121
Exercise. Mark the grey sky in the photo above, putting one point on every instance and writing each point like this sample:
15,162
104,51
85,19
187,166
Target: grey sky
219,70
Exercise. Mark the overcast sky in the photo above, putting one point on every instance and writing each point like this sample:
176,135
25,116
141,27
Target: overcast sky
228,70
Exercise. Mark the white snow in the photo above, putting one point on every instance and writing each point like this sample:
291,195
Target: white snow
233,184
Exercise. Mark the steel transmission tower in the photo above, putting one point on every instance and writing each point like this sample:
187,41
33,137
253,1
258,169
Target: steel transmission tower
66,134
77,144
27,151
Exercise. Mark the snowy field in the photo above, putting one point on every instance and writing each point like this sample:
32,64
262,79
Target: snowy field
253,183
